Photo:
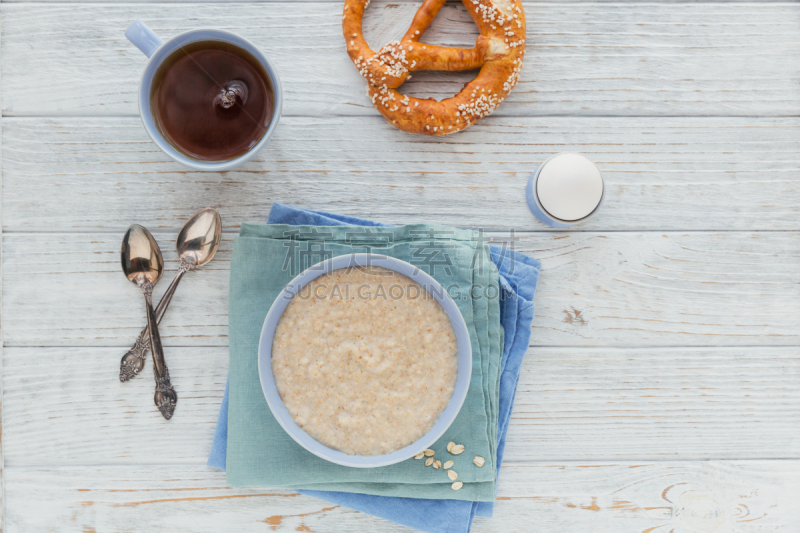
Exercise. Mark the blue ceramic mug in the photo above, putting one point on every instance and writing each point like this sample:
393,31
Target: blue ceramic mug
158,50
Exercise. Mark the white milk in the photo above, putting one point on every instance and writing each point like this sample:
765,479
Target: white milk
565,190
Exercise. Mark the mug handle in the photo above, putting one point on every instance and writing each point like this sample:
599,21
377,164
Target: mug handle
143,37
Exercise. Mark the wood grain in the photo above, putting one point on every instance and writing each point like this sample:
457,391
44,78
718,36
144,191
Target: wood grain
684,497
659,394
582,58
597,289
660,173
599,404
2,459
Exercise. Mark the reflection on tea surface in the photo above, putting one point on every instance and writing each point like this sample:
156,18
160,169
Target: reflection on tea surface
212,100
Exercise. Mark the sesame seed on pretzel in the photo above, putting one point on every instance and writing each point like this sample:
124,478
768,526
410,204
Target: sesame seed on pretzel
498,52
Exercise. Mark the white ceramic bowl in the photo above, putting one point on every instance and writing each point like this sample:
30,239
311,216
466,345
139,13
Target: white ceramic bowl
268,381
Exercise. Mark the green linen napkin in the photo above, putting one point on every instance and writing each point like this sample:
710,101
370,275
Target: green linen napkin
260,452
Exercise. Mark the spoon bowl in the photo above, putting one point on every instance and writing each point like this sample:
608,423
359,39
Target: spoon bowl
199,238
141,257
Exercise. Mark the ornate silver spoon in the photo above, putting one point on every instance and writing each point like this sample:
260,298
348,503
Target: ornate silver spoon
143,265
197,243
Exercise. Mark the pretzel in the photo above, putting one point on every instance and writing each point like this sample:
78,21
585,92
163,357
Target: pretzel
498,53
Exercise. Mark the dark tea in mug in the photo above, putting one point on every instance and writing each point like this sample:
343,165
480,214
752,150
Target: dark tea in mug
212,100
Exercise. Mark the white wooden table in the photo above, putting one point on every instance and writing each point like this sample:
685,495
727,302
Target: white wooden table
661,391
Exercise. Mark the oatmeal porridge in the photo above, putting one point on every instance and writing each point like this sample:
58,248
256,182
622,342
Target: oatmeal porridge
365,360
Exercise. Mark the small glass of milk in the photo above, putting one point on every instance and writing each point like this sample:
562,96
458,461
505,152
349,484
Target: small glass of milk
565,190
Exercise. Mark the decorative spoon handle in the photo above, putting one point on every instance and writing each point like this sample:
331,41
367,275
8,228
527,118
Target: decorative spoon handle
165,397
133,361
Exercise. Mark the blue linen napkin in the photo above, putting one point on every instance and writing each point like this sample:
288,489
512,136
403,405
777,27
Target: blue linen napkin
519,275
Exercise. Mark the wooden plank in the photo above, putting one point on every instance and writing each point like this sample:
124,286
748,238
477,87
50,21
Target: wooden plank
599,404
684,497
661,173
586,58
666,403
96,305
598,289
99,420
2,460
